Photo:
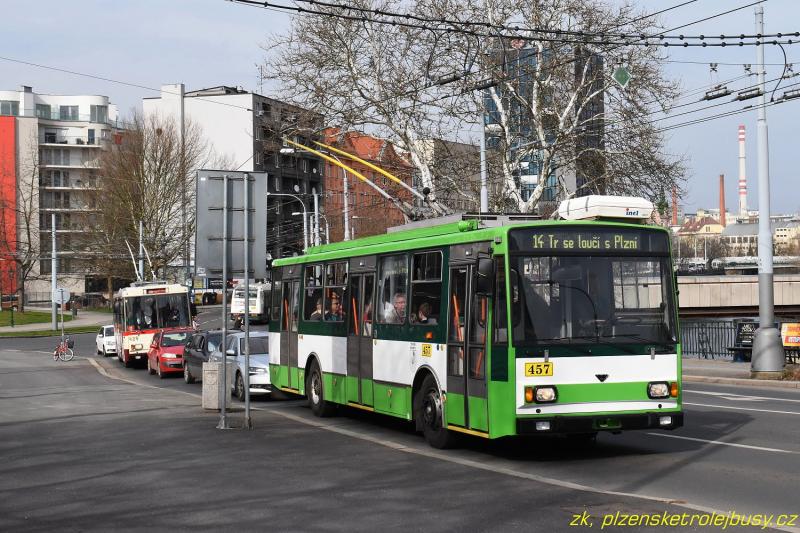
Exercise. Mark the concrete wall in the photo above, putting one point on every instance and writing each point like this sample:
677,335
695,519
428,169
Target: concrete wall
709,292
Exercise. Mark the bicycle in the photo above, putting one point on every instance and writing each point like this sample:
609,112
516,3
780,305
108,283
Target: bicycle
64,350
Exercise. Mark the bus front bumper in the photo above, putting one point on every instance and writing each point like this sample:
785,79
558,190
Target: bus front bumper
592,423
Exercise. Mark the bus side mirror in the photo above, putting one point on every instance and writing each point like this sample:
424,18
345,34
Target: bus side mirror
485,278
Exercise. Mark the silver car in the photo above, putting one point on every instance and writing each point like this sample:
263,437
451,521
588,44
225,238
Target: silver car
259,363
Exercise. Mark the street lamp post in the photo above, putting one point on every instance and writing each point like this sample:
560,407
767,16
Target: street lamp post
305,214
346,190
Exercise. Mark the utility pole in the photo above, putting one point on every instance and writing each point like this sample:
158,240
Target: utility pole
248,422
53,274
316,216
484,188
768,359
184,217
223,421
346,205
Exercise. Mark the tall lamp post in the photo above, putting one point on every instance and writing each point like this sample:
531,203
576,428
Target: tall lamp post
305,214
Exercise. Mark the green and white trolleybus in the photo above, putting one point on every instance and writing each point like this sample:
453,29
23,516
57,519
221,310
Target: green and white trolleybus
489,326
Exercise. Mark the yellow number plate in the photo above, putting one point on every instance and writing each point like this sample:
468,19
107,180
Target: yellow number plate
538,369
427,350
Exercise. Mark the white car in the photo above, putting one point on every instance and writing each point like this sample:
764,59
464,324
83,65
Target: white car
106,342
259,362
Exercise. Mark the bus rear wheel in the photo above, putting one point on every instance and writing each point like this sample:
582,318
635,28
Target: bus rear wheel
315,390
431,414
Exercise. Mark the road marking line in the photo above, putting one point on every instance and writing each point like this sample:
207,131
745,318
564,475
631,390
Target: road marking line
464,462
749,447
740,397
743,408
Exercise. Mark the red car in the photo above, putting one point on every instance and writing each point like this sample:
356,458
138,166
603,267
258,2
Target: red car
165,355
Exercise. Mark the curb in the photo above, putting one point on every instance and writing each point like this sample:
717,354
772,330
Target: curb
744,381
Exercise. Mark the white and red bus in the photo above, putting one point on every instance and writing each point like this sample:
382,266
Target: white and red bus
143,309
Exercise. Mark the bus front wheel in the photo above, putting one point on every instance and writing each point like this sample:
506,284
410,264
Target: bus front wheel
431,414
315,390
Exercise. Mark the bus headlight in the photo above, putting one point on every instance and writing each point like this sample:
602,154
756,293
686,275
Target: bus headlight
545,394
657,390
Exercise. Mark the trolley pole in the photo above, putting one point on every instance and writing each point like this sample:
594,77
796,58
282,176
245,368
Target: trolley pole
223,421
768,359
141,249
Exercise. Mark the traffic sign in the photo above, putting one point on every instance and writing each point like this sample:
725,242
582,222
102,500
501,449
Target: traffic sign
61,295
622,76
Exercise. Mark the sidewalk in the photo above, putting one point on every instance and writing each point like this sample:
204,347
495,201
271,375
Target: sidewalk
725,372
85,318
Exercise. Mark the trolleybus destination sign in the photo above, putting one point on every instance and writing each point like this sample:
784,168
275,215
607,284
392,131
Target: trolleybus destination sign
589,240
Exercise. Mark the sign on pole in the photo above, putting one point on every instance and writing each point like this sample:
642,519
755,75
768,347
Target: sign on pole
209,213
61,296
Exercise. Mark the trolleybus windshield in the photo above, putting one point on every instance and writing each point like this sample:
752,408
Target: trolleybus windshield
585,286
155,311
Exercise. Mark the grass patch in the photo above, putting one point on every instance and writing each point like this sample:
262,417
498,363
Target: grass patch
28,317
50,332
96,310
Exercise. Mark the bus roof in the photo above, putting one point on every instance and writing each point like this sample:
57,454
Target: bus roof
464,231
141,289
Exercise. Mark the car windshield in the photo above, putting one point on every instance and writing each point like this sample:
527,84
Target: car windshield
257,345
581,299
174,339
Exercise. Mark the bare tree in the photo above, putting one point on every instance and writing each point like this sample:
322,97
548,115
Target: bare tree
364,75
559,114
19,218
146,178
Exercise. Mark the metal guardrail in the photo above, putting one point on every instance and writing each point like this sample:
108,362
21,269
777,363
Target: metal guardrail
707,339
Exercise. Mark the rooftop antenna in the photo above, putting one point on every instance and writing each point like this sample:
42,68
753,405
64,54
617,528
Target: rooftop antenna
136,270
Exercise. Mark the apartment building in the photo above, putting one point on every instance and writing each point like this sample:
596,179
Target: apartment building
50,148
246,131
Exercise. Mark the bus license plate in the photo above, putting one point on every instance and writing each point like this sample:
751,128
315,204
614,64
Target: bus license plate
538,369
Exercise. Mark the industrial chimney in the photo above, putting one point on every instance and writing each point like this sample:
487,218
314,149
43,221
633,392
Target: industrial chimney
742,178
674,206
722,199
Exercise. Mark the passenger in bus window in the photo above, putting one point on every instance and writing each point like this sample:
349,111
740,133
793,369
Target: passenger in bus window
397,313
423,315
334,314
317,314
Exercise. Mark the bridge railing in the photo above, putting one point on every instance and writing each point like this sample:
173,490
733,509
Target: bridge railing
707,339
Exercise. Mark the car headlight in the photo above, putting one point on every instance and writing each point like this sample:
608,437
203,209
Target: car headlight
658,389
258,370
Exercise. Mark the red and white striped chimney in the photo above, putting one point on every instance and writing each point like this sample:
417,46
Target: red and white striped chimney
742,176
674,205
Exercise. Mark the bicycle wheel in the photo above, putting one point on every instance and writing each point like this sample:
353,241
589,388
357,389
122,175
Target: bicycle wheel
67,355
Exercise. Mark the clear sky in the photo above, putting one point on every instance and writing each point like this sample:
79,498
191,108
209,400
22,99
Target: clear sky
204,43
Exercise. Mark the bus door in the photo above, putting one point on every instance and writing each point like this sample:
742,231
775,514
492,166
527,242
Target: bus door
467,401
290,306
360,315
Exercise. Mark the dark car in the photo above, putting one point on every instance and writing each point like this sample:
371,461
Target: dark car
197,352
10,301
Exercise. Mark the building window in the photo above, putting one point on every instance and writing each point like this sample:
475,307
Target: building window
90,137
50,136
99,113
43,111
68,112
257,157
9,107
